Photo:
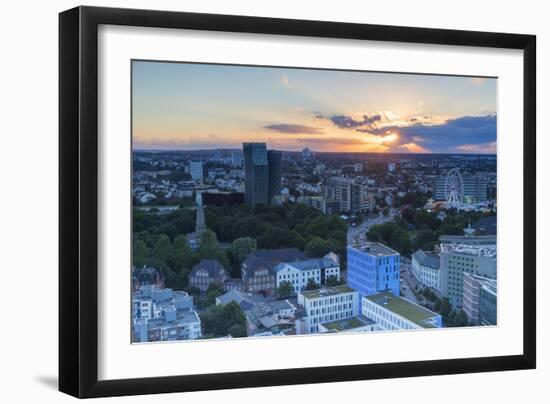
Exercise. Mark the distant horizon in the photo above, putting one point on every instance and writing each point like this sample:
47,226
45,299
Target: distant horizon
177,105
315,151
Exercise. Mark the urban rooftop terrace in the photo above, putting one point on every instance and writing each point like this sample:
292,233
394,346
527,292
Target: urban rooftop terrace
406,309
374,248
348,324
330,291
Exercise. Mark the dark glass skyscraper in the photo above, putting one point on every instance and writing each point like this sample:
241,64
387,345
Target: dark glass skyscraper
274,160
262,170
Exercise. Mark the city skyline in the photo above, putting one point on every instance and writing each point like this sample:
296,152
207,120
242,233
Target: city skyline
184,106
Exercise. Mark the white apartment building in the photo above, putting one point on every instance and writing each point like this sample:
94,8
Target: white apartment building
391,312
425,268
300,272
328,304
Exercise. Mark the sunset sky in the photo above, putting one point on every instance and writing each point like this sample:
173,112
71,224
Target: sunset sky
198,106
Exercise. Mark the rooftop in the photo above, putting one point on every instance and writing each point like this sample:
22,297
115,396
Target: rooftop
405,308
349,324
472,240
427,259
183,318
213,267
484,250
270,258
373,248
306,265
240,297
334,290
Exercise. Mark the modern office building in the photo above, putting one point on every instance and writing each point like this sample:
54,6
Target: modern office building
275,170
327,207
328,304
479,300
196,169
351,197
236,159
262,173
372,268
298,273
475,188
425,268
458,259
256,173
469,239
391,312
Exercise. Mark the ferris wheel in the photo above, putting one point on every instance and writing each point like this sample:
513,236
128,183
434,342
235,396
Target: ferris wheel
454,188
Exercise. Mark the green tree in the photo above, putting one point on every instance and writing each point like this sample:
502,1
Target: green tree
319,227
317,247
445,307
249,226
220,321
285,289
332,280
174,280
400,241
214,290
423,218
161,252
237,330
208,244
275,237
240,249
373,234
425,239
181,255
141,253
297,240
311,284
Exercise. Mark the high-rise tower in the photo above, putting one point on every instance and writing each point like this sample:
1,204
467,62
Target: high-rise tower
262,171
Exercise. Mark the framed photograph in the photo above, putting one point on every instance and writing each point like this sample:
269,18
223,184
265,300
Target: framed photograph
251,201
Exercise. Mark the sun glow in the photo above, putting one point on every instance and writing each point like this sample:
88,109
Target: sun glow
388,137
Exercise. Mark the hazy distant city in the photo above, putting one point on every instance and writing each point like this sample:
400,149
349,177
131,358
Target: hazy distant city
264,238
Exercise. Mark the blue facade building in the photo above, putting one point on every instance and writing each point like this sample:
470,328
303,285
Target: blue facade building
373,268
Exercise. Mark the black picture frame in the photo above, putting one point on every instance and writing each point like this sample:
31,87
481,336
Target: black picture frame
78,200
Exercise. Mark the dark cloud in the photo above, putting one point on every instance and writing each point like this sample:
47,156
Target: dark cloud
318,115
477,132
346,122
293,128
331,140
473,122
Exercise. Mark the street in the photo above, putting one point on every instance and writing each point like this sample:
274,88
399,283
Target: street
357,233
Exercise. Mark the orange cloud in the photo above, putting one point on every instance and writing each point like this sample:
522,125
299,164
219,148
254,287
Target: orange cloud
413,148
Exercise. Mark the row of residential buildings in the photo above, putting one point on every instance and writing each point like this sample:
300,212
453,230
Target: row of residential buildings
464,270
264,271
340,194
